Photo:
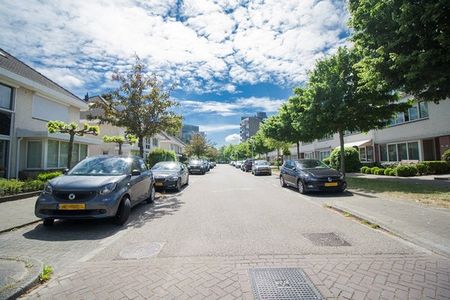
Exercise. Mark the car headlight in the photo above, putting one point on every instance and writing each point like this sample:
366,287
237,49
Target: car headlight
341,177
48,189
108,188
173,178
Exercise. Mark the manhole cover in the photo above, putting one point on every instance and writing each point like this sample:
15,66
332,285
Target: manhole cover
326,239
138,251
282,283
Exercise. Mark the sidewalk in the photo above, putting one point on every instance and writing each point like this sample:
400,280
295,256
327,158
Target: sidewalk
425,226
17,275
17,213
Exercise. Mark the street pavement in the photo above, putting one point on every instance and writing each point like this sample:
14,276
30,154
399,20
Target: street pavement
17,213
200,243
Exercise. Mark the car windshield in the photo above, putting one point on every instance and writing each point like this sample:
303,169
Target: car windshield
166,166
102,166
311,164
261,163
195,162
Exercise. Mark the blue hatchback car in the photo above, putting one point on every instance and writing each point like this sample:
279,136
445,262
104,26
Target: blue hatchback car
97,187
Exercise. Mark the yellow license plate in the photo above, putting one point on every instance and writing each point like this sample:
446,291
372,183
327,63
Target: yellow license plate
331,184
159,184
72,206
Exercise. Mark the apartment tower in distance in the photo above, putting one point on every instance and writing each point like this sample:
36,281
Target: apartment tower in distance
250,125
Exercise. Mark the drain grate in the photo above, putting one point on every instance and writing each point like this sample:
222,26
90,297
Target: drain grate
329,239
282,284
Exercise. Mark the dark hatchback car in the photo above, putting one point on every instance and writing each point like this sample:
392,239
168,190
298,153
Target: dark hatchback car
170,175
247,165
197,166
97,187
309,175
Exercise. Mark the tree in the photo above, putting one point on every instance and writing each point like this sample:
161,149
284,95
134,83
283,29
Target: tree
120,140
198,146
339,103
212,153
141,104
73,130
272,129
406,43
259,143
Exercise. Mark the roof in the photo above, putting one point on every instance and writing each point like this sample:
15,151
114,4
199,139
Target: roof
12,64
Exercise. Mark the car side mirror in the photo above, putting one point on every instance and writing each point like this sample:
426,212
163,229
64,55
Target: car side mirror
65,171
135,173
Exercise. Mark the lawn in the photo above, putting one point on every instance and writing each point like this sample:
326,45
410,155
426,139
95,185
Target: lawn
423,193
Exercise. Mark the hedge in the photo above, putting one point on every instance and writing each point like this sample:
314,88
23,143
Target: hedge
389,172
158,155
446,156
48,175
14,186
437,167
352,163
406,170
364,169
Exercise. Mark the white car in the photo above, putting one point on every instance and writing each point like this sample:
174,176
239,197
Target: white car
238,164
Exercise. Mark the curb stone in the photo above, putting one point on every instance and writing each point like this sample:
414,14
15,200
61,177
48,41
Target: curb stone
34,268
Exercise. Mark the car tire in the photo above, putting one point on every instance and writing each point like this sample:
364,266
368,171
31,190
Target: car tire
187,180
48,222
300,187
151,198
282,182
178,187
123,212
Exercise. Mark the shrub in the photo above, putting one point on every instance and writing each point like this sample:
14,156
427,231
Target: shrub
379,171
364,169
406,170
33,185
327,161
422,168
437,167
10,187
388,171
392,172
446,156
158,155
48,175
352,163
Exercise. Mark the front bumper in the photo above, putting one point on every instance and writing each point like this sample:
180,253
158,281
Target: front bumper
98,207
263,171
165,183
320,186
197,170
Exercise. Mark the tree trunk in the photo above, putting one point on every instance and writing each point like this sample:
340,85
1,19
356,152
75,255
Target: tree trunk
141,146
298,150
278,158
341,141
120,148
69,155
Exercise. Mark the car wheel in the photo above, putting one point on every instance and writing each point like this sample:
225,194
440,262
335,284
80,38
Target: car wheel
300,187
282,182
187,180
151,198
48,222
178,187
123,212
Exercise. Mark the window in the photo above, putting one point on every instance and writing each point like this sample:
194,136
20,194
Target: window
309,155
413,151
5,96
324,154
52,154
5,123
362,154
34,154
83,151
4,147
383,153
423,109
75,152
402,152
147,144
155,142
369,151
63,154
392,152
413,114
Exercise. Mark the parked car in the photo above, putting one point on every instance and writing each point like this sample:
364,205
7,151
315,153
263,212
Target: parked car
261,167
170,175
213,164
232,163
97,187
247,165
197,166
311,175
238,164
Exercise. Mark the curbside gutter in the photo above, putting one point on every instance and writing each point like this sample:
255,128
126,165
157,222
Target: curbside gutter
33,267
19,196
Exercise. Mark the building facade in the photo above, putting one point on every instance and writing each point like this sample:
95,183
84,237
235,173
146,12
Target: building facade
250,125
422,133
187,131
28,100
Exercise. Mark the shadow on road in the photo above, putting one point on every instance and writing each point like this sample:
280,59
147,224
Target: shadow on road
324,194
70,230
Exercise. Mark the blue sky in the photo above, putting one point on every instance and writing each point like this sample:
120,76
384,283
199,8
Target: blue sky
228,58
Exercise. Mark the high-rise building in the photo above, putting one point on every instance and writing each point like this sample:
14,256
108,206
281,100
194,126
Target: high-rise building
187,131
250,125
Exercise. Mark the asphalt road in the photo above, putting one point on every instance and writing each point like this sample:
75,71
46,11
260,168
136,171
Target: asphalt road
225,215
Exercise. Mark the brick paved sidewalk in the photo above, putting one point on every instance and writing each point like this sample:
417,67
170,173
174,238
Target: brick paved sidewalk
355,277
17,213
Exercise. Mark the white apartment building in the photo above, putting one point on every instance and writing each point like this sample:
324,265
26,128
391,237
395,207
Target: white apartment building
422,133
28,100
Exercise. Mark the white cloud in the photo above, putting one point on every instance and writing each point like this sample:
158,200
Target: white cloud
211,42
233,138
218,127
264,103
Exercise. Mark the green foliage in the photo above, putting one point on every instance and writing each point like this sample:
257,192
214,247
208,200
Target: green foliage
158,155
113,139
351,159
198,146
364,169
33,185
437,167
46,274
446,156
327,160
46,176
405,44
422,168
388,171
14,186
379,171
141,104
406,170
